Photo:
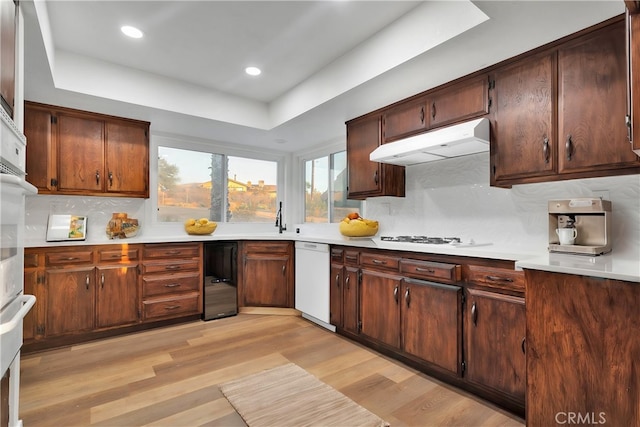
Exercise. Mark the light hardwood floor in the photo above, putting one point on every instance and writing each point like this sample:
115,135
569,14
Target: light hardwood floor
170,376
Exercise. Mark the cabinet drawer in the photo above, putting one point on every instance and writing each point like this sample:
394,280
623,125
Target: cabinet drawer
170,307
31,259
500,278
68,258
437,271
178,283
269,247
380,261
190,250
118,255
170,266
337,255
351,257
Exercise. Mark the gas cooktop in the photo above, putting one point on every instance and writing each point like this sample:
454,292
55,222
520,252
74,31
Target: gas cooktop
422,239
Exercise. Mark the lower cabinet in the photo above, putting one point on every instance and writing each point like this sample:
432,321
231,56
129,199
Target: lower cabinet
266,274
379,306
84,290
495,342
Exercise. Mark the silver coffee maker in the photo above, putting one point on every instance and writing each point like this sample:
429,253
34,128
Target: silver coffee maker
591,219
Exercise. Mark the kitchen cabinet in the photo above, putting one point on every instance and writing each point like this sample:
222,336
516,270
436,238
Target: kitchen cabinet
463,100
582,349
80,153
405,119
80,289
8,31
633,75
367,178
379,306
431,318
495,342
558,112
171,281
351,292
266,274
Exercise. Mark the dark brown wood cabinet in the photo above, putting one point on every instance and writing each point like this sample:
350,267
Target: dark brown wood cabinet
351,300
431,323
380,306
405,119
117,296
464,100
265,276
81,153
171,281
558,111
633,74
524,127
70,301
8,31
336,286
495,342
367,178
583,344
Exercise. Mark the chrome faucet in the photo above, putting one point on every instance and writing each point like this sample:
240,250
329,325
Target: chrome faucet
279,224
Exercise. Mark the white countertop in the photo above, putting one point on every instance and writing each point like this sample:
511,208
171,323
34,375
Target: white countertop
624,267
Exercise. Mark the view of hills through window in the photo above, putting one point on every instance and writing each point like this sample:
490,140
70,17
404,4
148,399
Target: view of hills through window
193,184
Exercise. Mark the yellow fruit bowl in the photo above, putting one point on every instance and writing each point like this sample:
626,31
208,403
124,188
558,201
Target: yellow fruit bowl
358,227
200,226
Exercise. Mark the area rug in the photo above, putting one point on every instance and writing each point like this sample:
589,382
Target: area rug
289,396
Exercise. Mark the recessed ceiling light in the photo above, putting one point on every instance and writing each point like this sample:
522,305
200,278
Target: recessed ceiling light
253,71
132,32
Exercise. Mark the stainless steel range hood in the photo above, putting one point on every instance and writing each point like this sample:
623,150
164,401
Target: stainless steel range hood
453,141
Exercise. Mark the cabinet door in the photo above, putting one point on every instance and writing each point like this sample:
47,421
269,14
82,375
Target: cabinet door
335,294
265,279
494,342
80,154
8,26
364,175
462,101
70,300
117,296
633,78
380,307
524,132
41,166
405,119
592,103
127,158
432,322
350,300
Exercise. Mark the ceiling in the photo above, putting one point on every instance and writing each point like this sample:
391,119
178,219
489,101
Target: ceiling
323,62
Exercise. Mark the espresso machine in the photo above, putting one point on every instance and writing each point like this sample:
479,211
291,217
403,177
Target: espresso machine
591,220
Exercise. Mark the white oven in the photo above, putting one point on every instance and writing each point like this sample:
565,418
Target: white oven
14,304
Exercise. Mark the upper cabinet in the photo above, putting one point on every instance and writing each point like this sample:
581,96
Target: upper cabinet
633,74
407,118
464,100
8,29
559,114
367,178
80,153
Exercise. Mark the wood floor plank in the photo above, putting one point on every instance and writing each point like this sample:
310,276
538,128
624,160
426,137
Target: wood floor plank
170,376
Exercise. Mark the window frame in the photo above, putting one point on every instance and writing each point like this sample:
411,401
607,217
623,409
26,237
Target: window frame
157,140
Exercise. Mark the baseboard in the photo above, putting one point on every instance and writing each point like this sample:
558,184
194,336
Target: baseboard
270,310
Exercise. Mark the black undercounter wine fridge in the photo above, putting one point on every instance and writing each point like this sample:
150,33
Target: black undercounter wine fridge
220,272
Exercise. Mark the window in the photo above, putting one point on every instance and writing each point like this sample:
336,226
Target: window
326,189
222,188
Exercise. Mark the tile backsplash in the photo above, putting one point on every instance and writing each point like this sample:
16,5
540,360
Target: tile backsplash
453,198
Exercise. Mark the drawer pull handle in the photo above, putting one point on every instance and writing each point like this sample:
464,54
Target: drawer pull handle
119,256
428,270
174,252
377,261
351,257
172,285
172,307
499,279
172,267
70,258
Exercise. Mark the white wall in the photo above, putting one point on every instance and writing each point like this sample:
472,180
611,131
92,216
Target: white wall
453,198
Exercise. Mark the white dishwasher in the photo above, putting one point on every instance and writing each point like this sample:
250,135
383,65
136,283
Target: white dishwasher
312,282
